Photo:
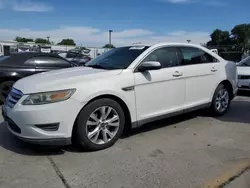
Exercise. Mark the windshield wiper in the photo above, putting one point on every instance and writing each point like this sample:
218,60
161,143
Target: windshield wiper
97,66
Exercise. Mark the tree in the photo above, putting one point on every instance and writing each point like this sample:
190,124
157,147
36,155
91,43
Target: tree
69,42
108,46
241,36
219,37
42,41
22,39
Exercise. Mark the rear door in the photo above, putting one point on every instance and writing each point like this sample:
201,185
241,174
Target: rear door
201,75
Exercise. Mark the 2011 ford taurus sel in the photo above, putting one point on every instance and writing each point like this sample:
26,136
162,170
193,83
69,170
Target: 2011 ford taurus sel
126,86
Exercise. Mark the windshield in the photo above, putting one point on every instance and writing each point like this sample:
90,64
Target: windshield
117,58
245,62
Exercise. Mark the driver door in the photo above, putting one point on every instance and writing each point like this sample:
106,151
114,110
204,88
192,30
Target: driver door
160,93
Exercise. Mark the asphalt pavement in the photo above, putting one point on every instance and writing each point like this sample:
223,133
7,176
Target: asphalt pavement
192,150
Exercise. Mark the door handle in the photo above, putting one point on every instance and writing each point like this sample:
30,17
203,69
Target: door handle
177,74
213,69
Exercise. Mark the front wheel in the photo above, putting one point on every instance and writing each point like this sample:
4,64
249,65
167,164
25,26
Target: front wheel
100,124
221,101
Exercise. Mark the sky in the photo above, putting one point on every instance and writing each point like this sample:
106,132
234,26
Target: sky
132,21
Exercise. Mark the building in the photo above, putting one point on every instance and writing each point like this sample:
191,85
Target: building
7,47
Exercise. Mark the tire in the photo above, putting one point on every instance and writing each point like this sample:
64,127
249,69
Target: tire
91,114
217,101
5,88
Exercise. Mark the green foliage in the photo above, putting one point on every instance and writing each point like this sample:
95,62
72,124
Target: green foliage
42,41
236,40
108,46
22,39
69,42
220,37
241,36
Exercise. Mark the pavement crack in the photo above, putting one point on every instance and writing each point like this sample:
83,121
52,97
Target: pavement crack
230,175
58,172
234,177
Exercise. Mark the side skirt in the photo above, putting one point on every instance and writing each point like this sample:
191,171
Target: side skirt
165,116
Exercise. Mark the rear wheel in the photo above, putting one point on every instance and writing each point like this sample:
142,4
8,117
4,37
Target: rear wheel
221,101
100,124
5,88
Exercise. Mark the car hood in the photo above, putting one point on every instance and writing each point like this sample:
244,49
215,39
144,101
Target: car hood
61,79
243,70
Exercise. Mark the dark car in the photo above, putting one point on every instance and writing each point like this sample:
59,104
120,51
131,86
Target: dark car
80,59
20,65
76,56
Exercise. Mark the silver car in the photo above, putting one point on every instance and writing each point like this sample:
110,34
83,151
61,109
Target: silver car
243,68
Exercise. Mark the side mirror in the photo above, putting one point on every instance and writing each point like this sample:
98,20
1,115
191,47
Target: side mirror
149,65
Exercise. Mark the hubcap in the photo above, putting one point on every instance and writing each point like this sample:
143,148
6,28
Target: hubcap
102,125
222,100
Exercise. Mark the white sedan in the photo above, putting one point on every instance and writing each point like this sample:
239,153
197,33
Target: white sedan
122,88
243,69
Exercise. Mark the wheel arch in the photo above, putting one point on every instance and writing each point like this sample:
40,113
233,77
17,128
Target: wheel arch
229,86
127,113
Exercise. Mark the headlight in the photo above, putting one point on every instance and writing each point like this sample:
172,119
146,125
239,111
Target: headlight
48,97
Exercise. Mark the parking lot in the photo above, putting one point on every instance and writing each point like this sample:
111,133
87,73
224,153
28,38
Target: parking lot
191,150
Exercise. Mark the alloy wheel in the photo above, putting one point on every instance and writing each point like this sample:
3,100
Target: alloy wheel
222,100
102,125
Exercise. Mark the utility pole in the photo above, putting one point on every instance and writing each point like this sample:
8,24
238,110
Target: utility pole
110,31
48,37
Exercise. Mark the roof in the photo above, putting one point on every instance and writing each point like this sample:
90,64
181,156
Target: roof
176,44
19,59
164,44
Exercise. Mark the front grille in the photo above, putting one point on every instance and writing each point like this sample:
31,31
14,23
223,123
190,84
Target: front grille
244,77
13,97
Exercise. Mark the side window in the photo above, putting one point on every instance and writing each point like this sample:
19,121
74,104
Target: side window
191,56
167,56
74,55
70,55
79,55
50,62
246,62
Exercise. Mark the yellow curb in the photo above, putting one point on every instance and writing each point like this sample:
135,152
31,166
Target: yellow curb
224,178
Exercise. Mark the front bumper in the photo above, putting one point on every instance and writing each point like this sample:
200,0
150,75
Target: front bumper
24,121
244,84
47,142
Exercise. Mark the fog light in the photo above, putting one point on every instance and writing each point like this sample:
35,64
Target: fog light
48,127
